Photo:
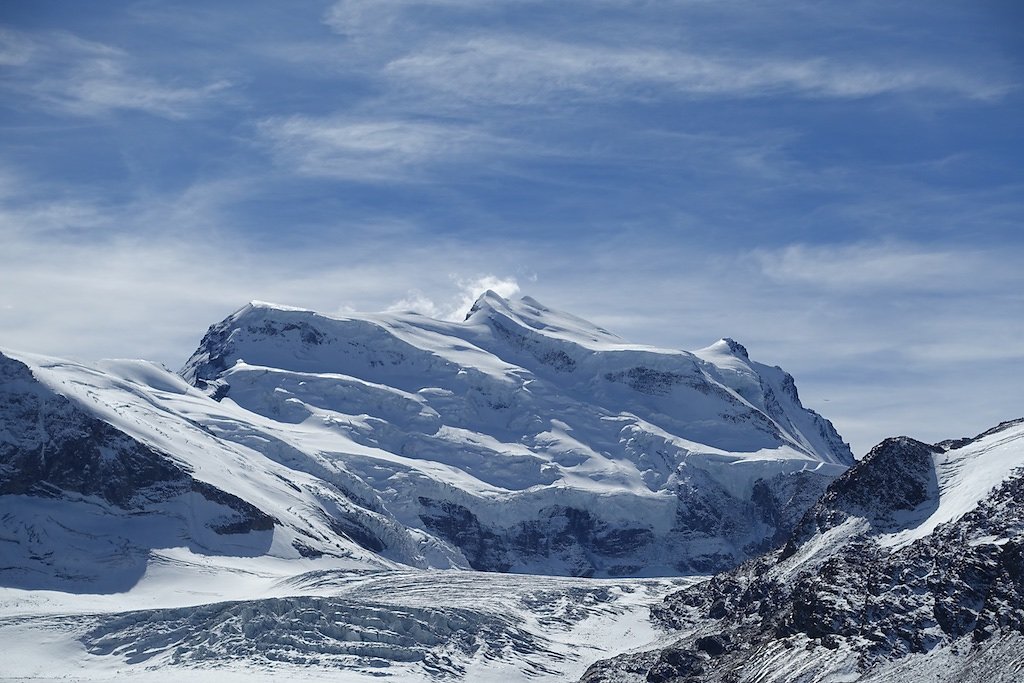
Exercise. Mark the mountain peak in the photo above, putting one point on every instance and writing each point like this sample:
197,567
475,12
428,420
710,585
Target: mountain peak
526,312
530,301
908,566
488,300
256,303
733,346
724,349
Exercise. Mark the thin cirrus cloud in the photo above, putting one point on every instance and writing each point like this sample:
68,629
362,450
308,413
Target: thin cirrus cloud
62,72
158,293
152,297
516,70
887,265
492,52
389,150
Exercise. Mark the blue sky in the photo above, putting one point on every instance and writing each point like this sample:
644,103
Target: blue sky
838,185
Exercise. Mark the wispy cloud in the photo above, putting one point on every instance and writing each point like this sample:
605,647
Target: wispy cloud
62,72
818,311
369,150
456,304
15,48
474,51
896,357
517,69
91,278
356,19
889,265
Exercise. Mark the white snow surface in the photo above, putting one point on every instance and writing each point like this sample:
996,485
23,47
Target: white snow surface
505,371
965,477
217,619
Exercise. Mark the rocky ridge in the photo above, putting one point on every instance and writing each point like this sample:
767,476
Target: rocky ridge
900,570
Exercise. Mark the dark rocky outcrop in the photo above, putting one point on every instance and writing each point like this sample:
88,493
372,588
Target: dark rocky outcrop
560,534
961,584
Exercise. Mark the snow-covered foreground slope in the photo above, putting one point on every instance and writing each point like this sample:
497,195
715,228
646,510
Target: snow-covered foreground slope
195,618
909,568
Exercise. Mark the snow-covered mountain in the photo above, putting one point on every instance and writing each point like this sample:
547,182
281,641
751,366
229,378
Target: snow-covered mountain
522,439
909,568
531,440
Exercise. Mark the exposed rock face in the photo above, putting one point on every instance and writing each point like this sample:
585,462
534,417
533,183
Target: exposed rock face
907,560
569,536
897,476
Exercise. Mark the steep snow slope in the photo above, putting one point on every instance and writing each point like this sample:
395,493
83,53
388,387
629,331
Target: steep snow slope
136,543
910,567
100,466
532,440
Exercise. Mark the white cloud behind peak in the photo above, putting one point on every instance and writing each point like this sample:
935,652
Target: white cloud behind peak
455,305
887,265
